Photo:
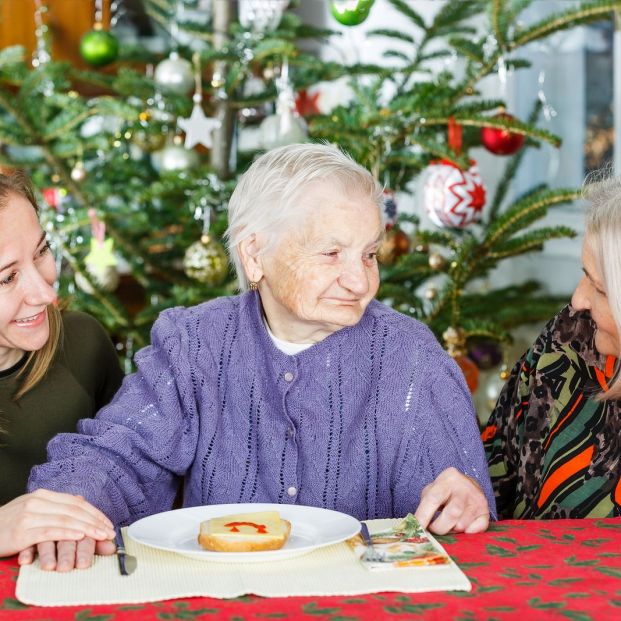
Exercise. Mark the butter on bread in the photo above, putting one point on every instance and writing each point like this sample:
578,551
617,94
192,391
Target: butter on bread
244,532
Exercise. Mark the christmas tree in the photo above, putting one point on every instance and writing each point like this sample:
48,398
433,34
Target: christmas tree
137,158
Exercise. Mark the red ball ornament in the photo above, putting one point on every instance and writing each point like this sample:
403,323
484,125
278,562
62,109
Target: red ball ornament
453,197
501,141
470,371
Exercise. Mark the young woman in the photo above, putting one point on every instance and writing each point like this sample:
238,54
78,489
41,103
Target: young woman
55,368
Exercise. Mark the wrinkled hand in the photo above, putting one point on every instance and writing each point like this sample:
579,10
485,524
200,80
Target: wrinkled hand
65,555
460,501
49,516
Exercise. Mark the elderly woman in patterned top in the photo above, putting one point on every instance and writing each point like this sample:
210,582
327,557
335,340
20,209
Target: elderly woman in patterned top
553,442
302,390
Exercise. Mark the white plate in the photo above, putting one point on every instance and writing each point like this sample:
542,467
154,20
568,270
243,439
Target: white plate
177,531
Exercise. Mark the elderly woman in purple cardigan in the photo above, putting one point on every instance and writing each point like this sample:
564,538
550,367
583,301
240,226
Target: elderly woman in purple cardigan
301,390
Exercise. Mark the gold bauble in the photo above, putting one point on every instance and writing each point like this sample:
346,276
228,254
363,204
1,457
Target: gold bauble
394,244
436,261
206,261
149,140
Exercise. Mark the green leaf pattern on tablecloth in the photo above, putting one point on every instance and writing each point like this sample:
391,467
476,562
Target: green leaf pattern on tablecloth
519,570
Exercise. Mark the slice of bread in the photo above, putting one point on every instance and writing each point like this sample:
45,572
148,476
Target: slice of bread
245,532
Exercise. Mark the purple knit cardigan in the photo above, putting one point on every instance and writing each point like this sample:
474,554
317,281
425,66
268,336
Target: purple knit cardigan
359,422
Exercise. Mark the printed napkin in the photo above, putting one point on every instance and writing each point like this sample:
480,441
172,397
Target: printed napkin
405,544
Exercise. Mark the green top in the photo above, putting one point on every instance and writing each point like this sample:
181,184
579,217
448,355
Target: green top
552,447
83,378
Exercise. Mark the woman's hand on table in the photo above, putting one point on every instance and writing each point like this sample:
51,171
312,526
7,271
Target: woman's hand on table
455,503
67,555
44,516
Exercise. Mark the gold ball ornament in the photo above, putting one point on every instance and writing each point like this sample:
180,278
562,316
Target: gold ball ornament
394,244
436,261
206,261
148,141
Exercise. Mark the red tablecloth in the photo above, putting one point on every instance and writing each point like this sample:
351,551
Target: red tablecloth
530,570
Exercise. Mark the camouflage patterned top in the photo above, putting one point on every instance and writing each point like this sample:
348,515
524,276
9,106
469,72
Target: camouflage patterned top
554,450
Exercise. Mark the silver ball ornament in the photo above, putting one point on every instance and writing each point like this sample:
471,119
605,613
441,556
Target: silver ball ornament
175,74
174,158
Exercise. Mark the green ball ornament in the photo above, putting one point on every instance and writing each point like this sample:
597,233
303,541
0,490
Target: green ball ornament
350,12
99,48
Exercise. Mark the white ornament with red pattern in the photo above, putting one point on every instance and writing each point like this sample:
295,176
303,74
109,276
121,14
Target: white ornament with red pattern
453,197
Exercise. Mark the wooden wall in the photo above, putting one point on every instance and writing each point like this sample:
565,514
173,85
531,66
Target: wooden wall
67,21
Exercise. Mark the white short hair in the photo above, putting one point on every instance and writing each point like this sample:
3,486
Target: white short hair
267,197
603,236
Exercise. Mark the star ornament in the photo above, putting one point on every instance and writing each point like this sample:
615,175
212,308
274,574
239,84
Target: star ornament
101,254
198,128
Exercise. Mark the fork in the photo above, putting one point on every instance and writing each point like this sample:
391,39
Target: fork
370,554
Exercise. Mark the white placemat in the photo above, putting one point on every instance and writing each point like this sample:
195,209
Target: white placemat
334,570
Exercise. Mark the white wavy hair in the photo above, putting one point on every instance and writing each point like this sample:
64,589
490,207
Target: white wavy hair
603,236
267,198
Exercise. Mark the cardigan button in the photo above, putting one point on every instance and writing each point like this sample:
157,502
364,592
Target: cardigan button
292,491
288,376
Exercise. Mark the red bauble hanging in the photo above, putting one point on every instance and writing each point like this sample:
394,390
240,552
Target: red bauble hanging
501,141
470,371
453,197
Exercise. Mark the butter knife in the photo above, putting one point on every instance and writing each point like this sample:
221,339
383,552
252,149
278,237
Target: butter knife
127,562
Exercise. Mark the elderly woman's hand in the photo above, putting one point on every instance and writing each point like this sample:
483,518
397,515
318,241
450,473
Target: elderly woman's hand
459,502
48,516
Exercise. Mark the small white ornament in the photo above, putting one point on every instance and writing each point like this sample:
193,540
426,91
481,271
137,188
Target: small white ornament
78,172
286,126
106,277
198,128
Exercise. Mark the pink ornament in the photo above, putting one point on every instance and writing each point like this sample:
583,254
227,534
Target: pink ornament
453,197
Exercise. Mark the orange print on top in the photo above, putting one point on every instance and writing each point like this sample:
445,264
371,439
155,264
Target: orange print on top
232,526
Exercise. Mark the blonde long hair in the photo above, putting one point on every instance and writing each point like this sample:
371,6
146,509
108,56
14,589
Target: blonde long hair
39,361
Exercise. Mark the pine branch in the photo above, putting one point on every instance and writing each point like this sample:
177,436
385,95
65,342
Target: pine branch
524,212
533,240
392,34
406,9
587,12
497,18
